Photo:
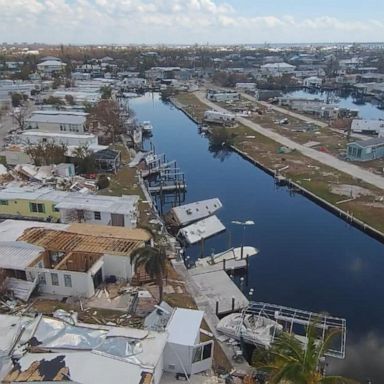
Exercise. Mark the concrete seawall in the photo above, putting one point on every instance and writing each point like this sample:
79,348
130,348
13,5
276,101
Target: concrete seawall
369,230
347,217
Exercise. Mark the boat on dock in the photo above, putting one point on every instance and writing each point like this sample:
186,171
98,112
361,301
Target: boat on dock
186,214
236,254
201,230
147,127
260,323
256,330
129,95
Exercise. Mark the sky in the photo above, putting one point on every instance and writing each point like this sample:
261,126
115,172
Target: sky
191,21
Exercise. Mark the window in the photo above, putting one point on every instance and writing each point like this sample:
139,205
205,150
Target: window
68,281
42,279
207,351
202,352
55,278
54,209
3,202
97,215
197,354
37,207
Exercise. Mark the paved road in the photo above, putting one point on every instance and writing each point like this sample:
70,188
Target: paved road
321,157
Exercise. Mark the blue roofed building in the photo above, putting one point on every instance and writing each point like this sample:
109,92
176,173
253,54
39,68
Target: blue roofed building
366,150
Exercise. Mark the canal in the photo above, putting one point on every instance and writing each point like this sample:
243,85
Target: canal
309,258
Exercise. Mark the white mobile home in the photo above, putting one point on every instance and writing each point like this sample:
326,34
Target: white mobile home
35,137
313,82
51,66
365,126
57,121
277,69
246,86
97,209
223,96
219,117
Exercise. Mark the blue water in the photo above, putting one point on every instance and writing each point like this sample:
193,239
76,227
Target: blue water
308,258
367,110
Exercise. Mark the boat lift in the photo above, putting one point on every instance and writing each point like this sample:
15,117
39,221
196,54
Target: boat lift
296,321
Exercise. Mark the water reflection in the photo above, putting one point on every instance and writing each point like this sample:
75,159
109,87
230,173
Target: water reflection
364,360
368,108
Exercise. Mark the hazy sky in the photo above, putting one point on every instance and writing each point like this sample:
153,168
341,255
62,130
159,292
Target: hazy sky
191,21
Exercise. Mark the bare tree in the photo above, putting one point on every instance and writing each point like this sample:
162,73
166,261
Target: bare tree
19,116
46,153
107,113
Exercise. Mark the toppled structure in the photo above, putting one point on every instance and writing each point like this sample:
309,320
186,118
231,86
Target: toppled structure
60,349
188,213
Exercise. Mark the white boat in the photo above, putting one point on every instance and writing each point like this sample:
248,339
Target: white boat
146,127
130,95
257,330
229,254
260,323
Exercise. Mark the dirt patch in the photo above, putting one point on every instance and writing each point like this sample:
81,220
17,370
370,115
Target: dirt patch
352,191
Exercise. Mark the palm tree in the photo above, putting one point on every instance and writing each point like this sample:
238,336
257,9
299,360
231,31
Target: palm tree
288,361
154,262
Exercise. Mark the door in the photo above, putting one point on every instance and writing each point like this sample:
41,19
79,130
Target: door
117,220
98,278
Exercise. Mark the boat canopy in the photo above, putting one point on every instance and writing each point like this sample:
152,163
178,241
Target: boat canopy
296,321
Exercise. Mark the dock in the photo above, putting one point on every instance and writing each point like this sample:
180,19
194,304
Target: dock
222,293
208,305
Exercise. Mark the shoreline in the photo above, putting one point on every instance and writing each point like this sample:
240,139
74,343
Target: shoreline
343,215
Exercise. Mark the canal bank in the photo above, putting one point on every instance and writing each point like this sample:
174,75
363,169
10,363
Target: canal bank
308,259
297,188
316,173
346,216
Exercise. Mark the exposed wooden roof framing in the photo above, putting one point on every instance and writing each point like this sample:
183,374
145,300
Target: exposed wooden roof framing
63,241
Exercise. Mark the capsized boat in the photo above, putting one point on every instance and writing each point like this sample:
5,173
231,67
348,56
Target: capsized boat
257,330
